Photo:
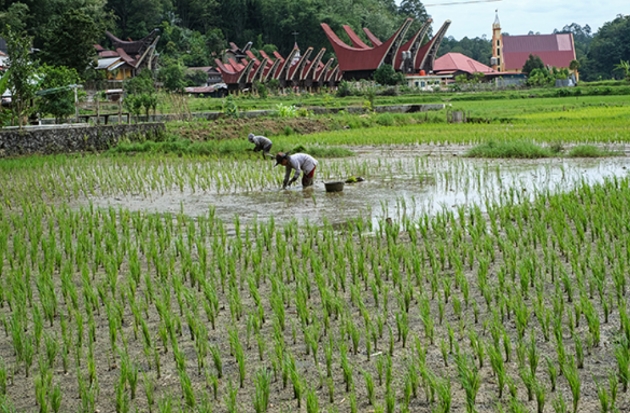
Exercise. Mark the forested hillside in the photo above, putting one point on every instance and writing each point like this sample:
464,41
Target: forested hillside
193,32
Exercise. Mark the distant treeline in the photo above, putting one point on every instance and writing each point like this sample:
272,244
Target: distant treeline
195,32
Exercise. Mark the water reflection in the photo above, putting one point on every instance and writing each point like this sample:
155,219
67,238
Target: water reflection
397,186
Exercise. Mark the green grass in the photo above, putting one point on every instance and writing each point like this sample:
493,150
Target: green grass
590,151
323,151
326,98
530,150
509,149
231,148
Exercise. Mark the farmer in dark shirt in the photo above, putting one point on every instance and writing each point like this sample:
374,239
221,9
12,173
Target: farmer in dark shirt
262,144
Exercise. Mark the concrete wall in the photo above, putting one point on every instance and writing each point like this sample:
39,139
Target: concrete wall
73,138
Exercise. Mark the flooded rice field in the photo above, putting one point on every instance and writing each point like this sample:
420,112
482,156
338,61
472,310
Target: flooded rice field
398,183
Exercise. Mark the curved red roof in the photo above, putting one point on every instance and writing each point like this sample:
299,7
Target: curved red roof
359,59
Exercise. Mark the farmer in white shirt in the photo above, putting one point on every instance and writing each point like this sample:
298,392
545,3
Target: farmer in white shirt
262,144
301,163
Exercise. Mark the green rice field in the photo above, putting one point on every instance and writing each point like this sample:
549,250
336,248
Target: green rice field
161,283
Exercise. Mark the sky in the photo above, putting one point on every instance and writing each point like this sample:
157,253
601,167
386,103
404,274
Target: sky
519,17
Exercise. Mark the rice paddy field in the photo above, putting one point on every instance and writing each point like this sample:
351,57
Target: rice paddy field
441,283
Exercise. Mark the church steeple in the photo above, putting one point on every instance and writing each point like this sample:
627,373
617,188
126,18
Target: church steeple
497,23
497,44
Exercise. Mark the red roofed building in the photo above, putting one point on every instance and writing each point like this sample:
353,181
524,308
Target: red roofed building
509,53
458,64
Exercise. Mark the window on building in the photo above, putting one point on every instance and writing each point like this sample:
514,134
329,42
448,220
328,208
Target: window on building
498,52
498,42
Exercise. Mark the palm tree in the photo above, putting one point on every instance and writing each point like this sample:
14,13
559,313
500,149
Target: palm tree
573,67
624,66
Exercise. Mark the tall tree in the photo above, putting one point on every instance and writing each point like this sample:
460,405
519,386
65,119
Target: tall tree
71,40
57,94
533,62
610,45
44,16
22,76
416,10
15,17
478,48
200,15
233,13
137,18
582,38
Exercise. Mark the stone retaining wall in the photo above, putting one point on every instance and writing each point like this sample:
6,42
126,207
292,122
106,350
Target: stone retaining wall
74,138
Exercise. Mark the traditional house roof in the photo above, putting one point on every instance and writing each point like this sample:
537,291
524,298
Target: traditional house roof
456,62
201,68
214,74
109,63
134,47
210,89
135,53
353,59
359,60
555,50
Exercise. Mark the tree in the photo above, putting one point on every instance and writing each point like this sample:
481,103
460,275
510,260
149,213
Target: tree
539,77
15,17
70,40
22,76
414,9
137,18
195,78
173,77
4,82
43,21
533,62
140,93
200,15
610,45
582,37
624,67
385,75
56,97
479,48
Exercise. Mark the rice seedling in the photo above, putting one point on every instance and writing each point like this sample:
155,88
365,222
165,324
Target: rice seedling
571,374
559,404
312,403
498,367
470,380
150,284
622,355
369,385
261,397
230,397
149,390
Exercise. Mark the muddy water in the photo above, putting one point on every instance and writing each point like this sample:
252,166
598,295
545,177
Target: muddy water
398,183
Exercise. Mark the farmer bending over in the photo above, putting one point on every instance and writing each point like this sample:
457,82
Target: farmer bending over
262,144
300,162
